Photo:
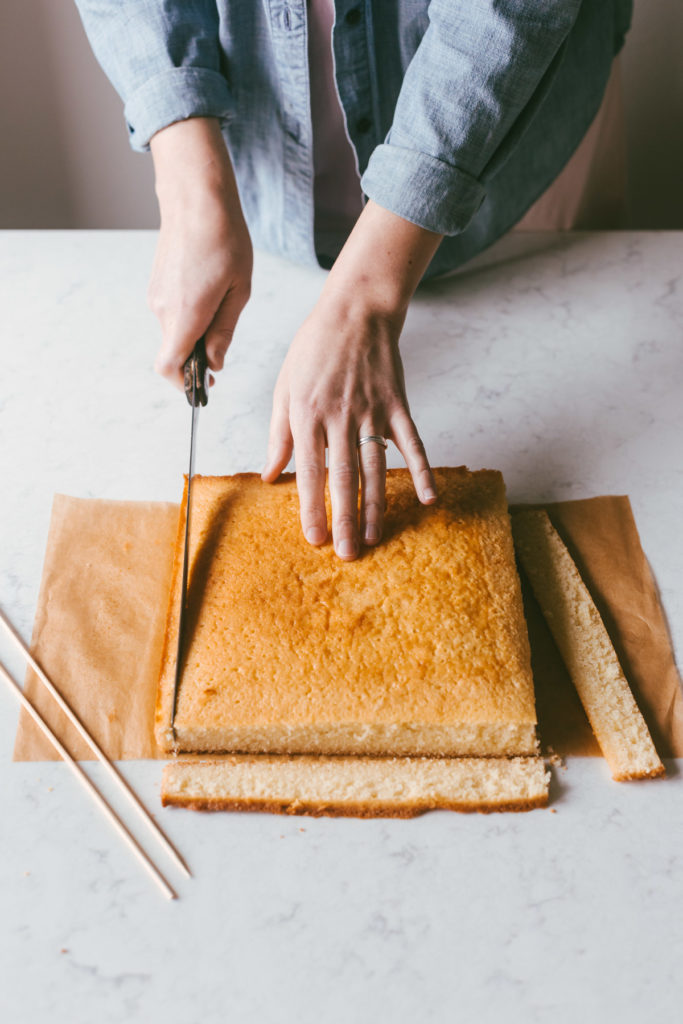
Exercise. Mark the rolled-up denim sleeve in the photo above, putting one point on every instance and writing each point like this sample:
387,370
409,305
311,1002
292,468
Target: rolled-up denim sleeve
163,59
477,76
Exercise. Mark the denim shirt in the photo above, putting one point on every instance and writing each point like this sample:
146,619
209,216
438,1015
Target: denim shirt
461,112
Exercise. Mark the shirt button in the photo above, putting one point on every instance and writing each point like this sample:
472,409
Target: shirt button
353,16
363,125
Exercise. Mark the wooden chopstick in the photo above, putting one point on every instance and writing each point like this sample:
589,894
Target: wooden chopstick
95,793
97,751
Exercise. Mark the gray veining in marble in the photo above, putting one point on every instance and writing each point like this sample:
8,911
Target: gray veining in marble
558,360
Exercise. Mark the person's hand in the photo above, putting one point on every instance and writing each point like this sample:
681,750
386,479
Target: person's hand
201,277
342,380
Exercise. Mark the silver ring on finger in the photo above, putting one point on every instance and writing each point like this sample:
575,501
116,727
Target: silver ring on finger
375,438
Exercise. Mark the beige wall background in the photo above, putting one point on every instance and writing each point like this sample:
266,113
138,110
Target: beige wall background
65,161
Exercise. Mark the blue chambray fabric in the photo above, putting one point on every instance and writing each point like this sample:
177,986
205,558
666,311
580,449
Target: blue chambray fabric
461,112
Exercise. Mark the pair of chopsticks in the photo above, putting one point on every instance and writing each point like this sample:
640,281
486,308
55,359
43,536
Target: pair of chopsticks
123,786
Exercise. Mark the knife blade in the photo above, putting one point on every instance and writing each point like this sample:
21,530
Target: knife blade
197,393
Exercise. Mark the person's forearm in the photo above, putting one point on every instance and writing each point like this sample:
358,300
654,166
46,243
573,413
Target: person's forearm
190,159
201,277
382,261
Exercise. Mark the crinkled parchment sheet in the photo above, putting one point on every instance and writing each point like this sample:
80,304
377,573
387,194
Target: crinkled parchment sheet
102,608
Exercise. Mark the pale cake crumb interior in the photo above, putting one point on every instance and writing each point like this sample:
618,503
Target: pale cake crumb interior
357,785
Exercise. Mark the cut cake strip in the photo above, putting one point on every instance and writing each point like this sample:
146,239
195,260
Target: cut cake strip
586,648
359,787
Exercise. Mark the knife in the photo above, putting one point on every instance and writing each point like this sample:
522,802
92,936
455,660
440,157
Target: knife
197,393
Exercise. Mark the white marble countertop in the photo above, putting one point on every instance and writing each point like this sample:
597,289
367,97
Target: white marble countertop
558,360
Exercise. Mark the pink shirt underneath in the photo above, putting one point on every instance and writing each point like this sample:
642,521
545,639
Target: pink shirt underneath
337,193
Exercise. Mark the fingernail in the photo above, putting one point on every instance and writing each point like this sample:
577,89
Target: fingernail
371,533
347,549
429,494
315,535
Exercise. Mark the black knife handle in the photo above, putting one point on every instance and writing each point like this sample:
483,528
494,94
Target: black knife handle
196,375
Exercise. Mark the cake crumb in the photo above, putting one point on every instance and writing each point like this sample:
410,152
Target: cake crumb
302,830
553,811
63,950
555,759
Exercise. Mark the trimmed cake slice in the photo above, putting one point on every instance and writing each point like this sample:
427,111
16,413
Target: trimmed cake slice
418,647
360,787
586,648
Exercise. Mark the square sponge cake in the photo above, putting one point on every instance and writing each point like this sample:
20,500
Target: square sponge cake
417,647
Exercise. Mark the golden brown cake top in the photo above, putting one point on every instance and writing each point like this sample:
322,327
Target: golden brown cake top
427,627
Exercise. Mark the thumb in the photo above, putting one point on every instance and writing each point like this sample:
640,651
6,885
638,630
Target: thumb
222,328
178,340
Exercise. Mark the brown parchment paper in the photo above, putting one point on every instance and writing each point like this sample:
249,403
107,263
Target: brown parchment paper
99,625
104,593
